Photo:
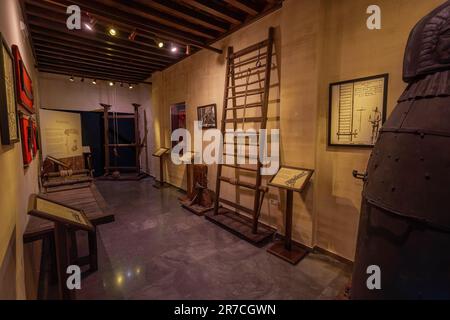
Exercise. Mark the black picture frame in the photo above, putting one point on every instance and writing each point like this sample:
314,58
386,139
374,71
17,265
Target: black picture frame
385,77
5,130
199,116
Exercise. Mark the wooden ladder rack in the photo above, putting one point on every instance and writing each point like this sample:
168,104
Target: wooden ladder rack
259,75
137,174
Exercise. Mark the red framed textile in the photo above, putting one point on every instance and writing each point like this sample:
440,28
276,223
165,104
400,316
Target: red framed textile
24,84
28,131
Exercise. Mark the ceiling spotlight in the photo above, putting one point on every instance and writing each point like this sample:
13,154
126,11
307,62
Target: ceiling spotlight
111,84
94,81
161,44
112,32
130,86
72,79
174,49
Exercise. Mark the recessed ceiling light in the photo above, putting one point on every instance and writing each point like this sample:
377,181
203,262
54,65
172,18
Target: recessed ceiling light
160,44
130,86
72,79
94,81
111,83
112,32
174,49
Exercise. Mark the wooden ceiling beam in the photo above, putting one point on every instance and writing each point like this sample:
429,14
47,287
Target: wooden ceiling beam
90,76
89,71
45,57
243,6
54,24
134,21
97,58
116,17
63,38
215,9
131,7
178,10
73,46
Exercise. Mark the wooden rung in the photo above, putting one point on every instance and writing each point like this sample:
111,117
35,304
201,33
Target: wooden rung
240,168
245,62
251,75
243,94
251,105
242,184
241,156
245,84
250,49
249,70
244,120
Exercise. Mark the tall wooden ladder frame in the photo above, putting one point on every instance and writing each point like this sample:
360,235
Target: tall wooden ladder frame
248,229
137,145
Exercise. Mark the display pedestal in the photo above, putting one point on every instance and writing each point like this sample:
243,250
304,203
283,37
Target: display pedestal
292,180
160,154
285,249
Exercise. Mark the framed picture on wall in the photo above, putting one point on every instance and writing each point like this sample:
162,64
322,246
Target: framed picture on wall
208,116
8,107
177,119
24,84
357,111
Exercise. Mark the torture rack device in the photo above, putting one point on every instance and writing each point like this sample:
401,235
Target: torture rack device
112,148
245,106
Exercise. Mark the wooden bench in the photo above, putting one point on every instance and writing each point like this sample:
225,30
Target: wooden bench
92,203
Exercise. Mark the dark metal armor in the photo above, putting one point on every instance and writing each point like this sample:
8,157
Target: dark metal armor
405,219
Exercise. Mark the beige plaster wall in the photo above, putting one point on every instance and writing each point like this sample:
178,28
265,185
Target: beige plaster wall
350,51
317,42
16,183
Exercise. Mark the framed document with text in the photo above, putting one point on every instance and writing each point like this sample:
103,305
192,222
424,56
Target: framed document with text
357,111
8,108
291,178
58,212
160,152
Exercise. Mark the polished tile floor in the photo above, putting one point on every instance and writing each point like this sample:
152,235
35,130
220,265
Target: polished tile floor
157,250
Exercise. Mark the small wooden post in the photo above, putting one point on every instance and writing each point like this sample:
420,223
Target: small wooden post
106,108
62,257
137,137
286,251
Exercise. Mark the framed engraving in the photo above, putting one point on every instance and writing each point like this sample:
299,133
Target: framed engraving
59,212
357,111
208,116
8,108
291,178
160,152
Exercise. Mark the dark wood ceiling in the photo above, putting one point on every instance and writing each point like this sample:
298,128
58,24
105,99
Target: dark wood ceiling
193,24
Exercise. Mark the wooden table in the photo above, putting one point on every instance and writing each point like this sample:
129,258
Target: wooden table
94,206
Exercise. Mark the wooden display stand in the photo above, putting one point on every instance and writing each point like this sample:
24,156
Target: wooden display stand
160,154
67,220
292,180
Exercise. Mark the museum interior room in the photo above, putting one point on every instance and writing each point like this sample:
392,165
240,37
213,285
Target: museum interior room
224,149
